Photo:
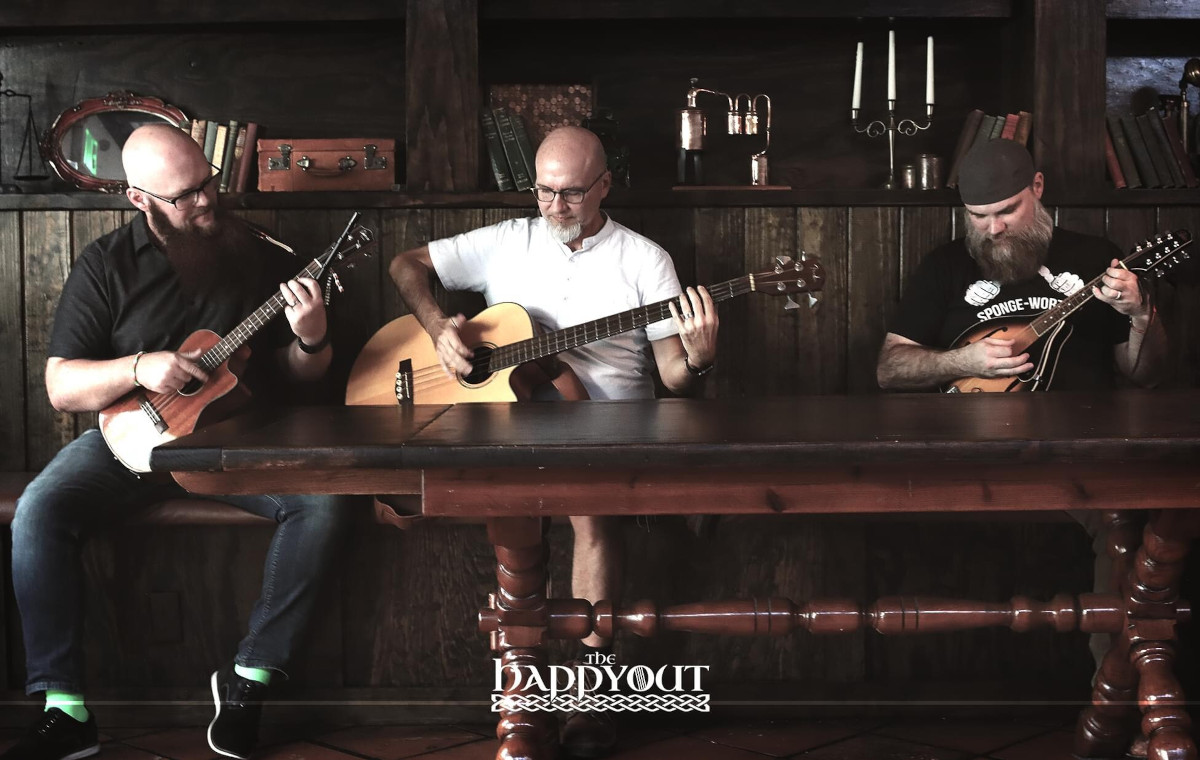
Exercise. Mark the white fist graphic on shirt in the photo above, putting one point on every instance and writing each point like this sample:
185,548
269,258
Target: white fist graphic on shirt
1065,283
981,292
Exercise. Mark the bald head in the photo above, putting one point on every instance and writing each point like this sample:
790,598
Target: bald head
571,148
156,154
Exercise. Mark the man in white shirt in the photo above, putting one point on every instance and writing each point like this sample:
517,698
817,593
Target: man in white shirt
571,265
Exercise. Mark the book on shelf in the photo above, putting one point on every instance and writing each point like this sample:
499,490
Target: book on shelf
1164,143
491,137
210,140
1141,154
508,139
1110,159
997,127
249,157
985,130
218,159
199,127
1180,153
1009,130
528,154
239,153
966,138
1024,125
1124,155
1157,156
229,155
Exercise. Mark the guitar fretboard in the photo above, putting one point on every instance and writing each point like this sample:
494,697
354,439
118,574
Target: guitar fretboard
224,348
589,332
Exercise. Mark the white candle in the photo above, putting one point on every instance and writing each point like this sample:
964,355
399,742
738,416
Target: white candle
929,70
856,102
891,64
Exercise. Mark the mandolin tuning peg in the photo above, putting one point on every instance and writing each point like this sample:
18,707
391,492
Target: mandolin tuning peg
813,301
790,304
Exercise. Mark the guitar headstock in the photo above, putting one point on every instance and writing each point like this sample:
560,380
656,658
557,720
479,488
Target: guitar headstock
791,276
354,242
1160,252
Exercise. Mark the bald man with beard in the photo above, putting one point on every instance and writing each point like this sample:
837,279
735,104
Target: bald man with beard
130,300
571,265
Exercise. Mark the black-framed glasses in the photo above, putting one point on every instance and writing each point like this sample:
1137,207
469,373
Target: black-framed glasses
572,195
187,199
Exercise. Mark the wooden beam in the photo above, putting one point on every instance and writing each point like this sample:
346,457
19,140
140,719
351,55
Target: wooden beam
442,73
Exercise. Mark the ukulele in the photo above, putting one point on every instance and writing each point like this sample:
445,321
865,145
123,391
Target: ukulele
143,419
400,364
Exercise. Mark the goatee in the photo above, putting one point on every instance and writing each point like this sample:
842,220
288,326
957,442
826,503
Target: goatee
1016,256
564,233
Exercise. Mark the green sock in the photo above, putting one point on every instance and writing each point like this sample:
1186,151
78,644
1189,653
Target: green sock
71,704
253,674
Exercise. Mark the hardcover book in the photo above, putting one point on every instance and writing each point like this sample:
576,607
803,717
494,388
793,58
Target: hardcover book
1181,156
1024,125
491,136
1124,155
1164,145
1158,156
508,139
1114,168
1141,154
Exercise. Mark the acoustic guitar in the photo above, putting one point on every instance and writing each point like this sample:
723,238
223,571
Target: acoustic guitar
143,419
1045,335
400,364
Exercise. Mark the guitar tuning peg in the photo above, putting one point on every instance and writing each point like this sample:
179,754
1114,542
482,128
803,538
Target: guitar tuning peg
813,301
803,255
337,283
790,304
781,262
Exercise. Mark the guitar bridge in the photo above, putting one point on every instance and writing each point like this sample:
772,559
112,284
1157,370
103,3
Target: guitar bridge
404,383
159,423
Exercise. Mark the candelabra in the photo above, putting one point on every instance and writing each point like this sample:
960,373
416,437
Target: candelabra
906,127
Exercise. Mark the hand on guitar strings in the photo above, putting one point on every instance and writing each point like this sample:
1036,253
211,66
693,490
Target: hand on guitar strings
696,319
304,309
1120,289
452,353
169,371
993,357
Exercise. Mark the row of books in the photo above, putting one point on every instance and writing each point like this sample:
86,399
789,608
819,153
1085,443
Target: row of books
230,146
1145,151
980,127
509,149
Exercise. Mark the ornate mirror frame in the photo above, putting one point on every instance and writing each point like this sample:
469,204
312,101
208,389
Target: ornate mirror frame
114,101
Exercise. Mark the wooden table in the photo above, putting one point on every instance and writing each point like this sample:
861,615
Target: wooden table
517,463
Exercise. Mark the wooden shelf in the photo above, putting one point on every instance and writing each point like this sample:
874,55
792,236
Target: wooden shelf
1103,197
1153,9
150,13
726,9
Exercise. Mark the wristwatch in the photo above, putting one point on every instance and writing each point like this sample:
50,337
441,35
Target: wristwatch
697,372
316,348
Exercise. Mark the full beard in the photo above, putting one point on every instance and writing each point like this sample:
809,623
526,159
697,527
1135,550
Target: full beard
1018,255
208,258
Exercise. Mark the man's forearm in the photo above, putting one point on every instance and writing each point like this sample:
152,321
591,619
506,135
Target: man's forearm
917,368
86,385
1144,357
412,281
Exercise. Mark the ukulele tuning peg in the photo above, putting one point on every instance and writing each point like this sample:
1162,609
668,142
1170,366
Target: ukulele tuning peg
790,304
813,301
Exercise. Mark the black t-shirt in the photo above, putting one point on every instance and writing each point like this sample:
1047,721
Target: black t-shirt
947,296
123,296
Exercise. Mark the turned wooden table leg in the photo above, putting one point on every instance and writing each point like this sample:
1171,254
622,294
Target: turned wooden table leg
1154,591
1106,728
520,638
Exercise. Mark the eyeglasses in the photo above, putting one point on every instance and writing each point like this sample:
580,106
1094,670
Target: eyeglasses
187,198
572,195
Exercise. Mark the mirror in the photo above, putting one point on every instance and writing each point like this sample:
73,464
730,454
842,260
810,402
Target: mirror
83,146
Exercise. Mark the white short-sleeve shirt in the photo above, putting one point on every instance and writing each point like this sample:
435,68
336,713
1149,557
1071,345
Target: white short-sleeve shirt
615,270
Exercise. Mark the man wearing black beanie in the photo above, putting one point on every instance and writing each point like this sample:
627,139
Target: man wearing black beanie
1015,264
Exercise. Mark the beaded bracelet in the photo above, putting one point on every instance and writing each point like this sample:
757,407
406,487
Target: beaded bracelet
137,359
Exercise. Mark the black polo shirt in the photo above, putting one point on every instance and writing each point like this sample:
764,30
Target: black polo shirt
123,296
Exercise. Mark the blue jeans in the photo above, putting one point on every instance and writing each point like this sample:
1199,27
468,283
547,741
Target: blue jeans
84,489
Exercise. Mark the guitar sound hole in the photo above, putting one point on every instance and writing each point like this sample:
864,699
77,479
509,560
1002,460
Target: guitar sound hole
191,387
480,362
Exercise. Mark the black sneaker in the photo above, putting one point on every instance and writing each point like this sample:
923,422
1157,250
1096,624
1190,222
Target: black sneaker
234,729
56,736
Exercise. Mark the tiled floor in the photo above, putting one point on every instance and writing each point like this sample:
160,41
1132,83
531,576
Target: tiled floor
701,740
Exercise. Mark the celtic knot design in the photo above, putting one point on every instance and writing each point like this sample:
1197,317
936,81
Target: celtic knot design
606,702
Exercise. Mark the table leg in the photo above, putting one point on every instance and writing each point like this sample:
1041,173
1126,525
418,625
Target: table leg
520,638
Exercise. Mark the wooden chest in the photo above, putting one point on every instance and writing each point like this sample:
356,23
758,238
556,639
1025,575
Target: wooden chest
334,164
